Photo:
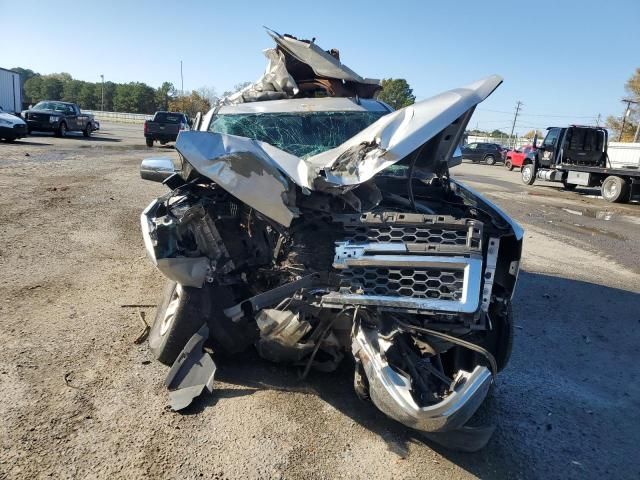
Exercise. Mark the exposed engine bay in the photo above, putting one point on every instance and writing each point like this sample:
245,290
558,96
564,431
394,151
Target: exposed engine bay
369,250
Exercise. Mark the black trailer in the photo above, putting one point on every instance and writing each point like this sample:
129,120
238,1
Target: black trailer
577,156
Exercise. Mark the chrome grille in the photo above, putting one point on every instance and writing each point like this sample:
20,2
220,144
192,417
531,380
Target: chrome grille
405,234
425,283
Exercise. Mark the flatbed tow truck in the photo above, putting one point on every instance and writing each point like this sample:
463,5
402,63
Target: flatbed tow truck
577,156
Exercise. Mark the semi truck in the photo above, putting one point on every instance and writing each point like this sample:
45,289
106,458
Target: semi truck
577,156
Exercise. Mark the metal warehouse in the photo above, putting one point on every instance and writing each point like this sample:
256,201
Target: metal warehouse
10,91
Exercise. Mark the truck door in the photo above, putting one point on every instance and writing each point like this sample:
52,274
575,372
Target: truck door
548,150
71,117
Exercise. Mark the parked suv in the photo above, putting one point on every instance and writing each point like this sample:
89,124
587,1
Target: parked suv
515,158
490,153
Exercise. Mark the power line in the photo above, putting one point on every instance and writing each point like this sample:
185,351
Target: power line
537,114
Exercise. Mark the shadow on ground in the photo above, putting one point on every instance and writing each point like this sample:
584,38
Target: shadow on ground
566,397
25,142
72,136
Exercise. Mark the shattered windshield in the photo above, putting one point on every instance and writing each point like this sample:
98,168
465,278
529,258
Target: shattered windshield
301,134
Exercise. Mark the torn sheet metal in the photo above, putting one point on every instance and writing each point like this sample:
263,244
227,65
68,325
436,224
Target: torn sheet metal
298,68
247,169
322,63
188,272
276,83
192,373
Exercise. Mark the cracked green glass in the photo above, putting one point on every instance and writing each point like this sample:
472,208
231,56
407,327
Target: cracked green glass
301,134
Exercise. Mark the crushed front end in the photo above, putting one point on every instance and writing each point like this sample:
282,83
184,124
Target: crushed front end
369,249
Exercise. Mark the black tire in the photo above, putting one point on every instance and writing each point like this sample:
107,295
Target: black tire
149,142
29,130
508,165
62,130
178,316
528,174
192,308
568,186
87,130
615,189
490,160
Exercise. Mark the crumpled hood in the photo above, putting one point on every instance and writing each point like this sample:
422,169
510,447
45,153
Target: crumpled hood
262,175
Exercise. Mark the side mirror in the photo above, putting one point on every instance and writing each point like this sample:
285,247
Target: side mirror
156,169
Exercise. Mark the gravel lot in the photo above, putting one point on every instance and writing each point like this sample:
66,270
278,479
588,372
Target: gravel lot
78,399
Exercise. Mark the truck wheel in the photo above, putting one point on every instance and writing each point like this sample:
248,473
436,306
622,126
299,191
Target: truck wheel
568,186
490,160
508,165
615,189
528,174
178,316
87,130
62,130
149,142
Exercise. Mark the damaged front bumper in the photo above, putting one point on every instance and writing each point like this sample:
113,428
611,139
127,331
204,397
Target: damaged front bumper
390,390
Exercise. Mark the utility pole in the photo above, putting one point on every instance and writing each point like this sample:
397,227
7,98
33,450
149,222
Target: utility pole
181,86
102,104
598,120
624,117
515,117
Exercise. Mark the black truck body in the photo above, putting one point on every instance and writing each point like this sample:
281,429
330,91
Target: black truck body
164,127
577,156
58,117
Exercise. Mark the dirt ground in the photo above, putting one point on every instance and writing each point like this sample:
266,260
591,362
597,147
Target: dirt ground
78,399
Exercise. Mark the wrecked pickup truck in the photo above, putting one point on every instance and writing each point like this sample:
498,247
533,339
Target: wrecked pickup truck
314,228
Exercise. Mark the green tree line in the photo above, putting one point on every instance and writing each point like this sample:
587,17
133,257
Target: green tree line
132,97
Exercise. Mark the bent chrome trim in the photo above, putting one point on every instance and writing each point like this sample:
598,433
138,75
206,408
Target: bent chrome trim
390,390
468,303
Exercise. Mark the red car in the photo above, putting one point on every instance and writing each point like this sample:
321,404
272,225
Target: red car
516,157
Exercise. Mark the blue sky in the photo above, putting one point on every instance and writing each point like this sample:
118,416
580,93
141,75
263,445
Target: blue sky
566,61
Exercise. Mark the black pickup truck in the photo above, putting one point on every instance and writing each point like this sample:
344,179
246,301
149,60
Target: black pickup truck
57,117
164,127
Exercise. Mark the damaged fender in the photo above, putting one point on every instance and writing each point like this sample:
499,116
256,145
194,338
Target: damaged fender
192,373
